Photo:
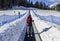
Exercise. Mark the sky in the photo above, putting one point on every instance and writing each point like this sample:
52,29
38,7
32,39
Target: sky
48,2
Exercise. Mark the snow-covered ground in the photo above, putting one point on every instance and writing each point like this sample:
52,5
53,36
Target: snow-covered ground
48,15
19,8
15,30
48,30
47,23
12,12
7,16
22,8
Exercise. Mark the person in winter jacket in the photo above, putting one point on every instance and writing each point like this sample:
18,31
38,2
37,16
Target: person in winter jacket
29,22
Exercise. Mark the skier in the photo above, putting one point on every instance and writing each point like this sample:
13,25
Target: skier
19,14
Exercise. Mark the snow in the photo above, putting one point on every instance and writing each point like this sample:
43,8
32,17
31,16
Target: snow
55,4
22,8
48,15
15,30
18,8
12,12
47,12
47,23
48,31
51,35
52,5
7,16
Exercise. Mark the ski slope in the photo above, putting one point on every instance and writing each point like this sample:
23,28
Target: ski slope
48,30
15,30
7,16
48,15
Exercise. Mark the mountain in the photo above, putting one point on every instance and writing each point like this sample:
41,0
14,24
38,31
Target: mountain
48,2
55,4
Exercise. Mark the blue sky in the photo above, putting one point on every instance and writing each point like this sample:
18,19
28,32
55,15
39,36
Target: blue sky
48,2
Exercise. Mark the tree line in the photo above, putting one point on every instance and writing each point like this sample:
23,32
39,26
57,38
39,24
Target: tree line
58,7
25,3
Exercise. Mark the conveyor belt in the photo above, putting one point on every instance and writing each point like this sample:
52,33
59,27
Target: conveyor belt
35,35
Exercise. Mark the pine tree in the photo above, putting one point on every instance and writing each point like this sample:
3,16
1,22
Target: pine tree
1,3
37,4
58,7
32,4
41,5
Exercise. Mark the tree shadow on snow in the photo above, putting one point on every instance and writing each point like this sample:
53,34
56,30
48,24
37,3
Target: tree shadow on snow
44,30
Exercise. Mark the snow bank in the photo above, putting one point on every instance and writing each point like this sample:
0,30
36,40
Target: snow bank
14,31
10,15
48,31
12,12
18,8
51,35
47,12
47,15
